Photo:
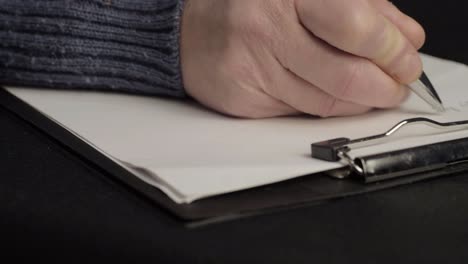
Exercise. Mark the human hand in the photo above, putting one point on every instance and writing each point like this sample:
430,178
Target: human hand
265,58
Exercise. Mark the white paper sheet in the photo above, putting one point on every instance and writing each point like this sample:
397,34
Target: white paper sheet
193,153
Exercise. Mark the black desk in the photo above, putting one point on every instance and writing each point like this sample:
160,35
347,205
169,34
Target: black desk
53,204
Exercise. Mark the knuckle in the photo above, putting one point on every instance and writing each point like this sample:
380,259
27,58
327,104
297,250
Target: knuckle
344,23
358,30
357,25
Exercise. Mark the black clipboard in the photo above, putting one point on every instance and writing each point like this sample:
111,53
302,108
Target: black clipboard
303,191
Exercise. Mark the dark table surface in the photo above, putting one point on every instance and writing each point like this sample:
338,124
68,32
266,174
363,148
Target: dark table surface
54,205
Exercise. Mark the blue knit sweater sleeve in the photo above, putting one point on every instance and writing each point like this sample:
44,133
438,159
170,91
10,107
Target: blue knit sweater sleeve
120,45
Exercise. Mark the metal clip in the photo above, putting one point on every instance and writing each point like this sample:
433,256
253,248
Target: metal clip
339,149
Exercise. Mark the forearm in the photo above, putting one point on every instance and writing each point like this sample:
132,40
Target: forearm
124,45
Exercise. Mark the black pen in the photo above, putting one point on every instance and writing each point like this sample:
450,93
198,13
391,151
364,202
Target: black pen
424,89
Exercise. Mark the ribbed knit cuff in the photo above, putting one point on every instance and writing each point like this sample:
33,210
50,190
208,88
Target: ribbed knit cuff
122,45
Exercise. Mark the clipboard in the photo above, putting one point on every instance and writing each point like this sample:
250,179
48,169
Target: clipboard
304,191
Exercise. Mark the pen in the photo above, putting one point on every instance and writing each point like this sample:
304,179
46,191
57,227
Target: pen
426,91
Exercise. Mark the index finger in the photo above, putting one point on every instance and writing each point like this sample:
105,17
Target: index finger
357,27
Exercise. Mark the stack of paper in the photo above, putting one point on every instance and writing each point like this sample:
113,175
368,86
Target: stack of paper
191,152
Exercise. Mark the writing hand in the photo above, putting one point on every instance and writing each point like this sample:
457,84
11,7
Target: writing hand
257,58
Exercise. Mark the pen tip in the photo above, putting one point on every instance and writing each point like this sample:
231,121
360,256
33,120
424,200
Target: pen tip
439,108
425,80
